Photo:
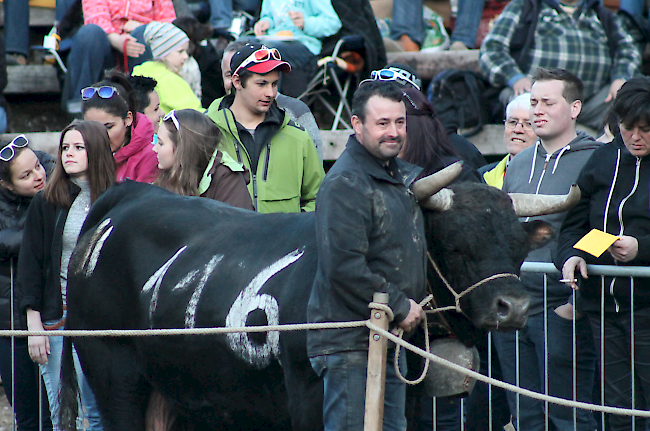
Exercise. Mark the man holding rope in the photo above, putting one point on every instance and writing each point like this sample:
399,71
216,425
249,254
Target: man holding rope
370,235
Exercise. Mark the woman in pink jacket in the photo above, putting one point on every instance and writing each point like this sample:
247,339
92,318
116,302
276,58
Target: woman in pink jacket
113,29
112,103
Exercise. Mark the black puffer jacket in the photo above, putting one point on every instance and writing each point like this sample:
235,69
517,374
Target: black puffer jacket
13,211
370,235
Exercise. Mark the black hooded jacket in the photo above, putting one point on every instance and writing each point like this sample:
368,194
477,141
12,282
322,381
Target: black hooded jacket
615,188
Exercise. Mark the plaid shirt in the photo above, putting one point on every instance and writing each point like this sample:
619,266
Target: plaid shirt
575,43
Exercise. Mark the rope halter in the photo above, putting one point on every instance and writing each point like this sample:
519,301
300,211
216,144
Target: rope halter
458,296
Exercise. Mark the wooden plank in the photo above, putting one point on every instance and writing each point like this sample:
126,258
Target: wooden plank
334,142
489,141
429,64
38,17
32,79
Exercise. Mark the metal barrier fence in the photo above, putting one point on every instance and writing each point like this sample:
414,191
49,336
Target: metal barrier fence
469,409
601,422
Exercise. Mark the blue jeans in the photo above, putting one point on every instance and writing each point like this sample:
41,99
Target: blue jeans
91,55
618,365
221,10
25,378
16,27
62,7
468,20
560,371
51,373
407,20
344,400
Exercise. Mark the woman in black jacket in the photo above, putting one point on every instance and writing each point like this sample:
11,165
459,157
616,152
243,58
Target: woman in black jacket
615,186
85,168
22,175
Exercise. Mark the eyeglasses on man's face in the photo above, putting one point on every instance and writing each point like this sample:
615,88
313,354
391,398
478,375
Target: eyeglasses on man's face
511,123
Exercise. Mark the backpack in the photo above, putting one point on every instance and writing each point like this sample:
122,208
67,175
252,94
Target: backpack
456,97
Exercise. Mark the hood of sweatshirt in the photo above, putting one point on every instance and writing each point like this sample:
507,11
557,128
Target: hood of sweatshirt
141,137
535,171
543,163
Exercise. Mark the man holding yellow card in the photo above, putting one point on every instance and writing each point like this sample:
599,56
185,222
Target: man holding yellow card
549,167
615,199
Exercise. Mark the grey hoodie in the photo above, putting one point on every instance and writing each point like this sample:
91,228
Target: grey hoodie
535,171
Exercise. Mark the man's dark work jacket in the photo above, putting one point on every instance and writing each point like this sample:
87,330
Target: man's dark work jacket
370,235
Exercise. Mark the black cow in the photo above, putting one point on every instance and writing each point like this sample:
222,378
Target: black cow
153,259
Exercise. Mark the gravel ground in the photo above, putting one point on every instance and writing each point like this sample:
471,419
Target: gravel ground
6,414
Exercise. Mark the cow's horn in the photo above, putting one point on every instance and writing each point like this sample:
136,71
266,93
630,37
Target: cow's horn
527,205
441,201
426,187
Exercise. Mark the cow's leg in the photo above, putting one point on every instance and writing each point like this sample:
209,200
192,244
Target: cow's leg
304,387
115,376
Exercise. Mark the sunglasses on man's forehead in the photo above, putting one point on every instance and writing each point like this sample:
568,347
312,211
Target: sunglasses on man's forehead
105,92
390,75
259,56
7,152
171,115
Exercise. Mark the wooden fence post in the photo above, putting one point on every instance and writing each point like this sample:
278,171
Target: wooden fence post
376,379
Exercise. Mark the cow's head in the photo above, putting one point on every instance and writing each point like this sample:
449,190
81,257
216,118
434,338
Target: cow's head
473,234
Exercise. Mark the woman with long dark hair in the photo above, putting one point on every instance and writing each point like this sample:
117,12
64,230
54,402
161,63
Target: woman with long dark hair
427,143
112,102
84,170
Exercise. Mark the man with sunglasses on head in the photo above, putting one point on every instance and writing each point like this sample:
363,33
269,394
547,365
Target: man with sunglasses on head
406,77
370,237
285,167
297,110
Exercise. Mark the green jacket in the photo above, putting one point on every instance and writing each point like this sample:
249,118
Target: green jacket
173,91
288,172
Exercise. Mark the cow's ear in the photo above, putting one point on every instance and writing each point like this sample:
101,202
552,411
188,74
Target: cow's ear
539,233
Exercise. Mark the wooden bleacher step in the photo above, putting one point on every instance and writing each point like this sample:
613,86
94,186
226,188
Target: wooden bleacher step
32,79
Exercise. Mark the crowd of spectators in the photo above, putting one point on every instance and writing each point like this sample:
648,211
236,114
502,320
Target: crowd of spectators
256,148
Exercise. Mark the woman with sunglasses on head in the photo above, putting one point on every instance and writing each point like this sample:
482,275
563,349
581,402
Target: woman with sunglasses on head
84,170
22,175
112,102
428,146
186,148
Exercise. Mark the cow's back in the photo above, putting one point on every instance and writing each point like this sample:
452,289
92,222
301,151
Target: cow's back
153,259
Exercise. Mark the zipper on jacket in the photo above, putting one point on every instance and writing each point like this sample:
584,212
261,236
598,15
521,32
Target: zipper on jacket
541,177
254,179
238,151
266,160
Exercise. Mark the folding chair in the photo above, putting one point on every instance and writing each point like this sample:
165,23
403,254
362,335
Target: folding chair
331,69
51,45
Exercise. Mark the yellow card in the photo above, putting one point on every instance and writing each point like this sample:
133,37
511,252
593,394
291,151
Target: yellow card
595,242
